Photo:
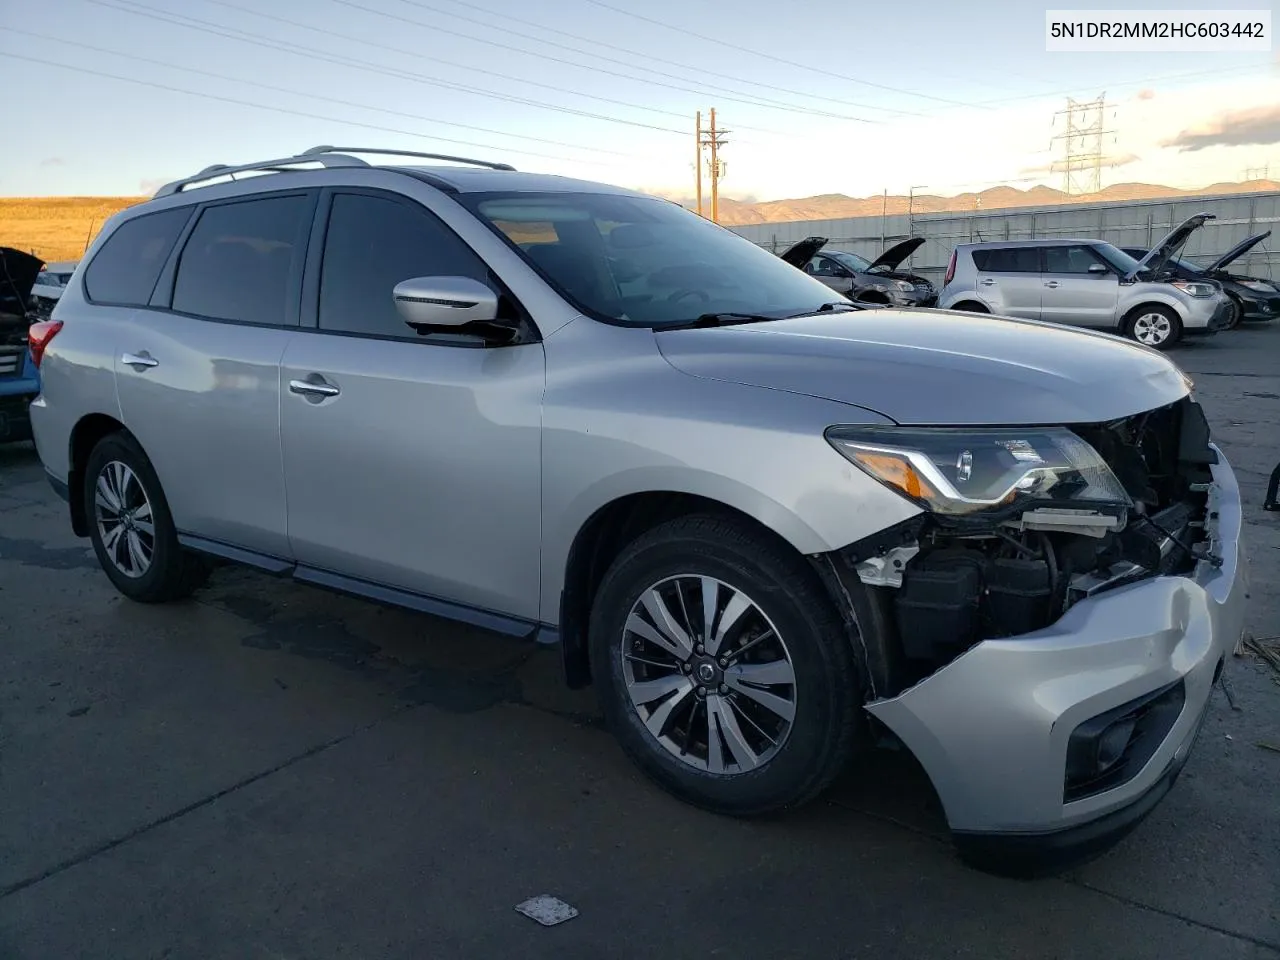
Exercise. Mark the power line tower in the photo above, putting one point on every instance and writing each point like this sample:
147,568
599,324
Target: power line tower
1081,164
1257,173
711,140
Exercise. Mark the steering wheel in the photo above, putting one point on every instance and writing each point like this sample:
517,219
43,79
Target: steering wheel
686,292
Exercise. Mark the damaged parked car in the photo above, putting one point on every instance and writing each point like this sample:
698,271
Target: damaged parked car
19,379
875,281
770,526
1255,299
1089,283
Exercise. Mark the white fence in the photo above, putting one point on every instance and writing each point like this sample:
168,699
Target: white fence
1135,223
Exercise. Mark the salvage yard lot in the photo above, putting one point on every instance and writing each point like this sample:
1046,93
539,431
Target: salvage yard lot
272,771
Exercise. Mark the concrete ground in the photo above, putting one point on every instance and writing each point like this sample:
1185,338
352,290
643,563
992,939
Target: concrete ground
269,771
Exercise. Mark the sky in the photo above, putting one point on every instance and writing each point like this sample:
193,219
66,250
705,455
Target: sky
945,97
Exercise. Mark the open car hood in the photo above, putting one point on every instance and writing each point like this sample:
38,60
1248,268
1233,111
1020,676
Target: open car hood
798,254
1159,255
18,274
892,257
1236,252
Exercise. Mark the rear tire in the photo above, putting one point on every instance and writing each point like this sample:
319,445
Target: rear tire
131,528
745,720
1154,325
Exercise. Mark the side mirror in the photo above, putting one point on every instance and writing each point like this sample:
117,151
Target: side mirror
444,301
1097,268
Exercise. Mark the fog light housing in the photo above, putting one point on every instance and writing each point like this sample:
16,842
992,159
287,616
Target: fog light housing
1110,749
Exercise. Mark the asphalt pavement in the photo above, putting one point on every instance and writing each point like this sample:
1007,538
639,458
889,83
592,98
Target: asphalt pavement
271,771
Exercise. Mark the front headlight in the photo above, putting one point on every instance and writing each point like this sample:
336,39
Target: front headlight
968,470
1259,285
904,285
1194,289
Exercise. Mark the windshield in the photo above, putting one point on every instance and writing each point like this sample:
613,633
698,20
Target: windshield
645,261
852,261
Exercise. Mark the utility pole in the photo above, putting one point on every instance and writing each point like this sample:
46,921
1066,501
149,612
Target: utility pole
712,139
1258,173
911,203
697,161
1081,164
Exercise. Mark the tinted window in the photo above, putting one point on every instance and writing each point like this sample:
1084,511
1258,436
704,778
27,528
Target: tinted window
645,261
1068,259
125,270
827,267
240,258
1008,260
372,244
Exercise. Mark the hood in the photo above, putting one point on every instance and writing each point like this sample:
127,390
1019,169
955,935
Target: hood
897,253
1166,249
936,367
798,254
1236,252
18,273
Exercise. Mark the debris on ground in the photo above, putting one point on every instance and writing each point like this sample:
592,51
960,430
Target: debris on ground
1274,748
1266,649
1229,690
547,910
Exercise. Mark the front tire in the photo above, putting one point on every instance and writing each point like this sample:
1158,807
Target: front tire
1154,325
131,528
723,668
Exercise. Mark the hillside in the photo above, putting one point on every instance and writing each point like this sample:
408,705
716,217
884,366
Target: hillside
59,228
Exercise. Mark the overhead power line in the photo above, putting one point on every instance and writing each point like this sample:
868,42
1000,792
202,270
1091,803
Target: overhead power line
733,95
419,55
308,95
243,36
645,55
285,110
769,56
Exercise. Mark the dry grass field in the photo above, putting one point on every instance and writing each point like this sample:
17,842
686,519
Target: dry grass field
56,228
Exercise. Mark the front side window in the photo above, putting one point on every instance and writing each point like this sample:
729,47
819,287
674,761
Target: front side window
372,244
125,270
1116,257
644,261
1068,259
240,259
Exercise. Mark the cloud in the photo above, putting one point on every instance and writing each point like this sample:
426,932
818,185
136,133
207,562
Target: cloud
1235,128
1122,161
52,162
151,186
1147,94
1042,170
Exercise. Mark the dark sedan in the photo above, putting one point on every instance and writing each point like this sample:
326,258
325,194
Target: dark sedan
1255,298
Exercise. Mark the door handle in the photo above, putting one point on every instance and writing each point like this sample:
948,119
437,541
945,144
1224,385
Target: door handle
139,361
313,388
1051,283
987,283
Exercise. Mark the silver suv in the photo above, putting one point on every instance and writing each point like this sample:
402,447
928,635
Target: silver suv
766,524
1088,283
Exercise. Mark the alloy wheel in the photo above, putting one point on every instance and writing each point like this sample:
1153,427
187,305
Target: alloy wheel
708,674
1153,329
125,523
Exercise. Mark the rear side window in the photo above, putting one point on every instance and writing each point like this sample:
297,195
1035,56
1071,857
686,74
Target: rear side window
125,270
241,260
372,244
1008,260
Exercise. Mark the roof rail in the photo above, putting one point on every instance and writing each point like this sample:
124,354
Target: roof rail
326,158
320,151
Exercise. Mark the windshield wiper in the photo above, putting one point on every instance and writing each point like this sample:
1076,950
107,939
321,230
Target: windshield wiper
718,320
837,304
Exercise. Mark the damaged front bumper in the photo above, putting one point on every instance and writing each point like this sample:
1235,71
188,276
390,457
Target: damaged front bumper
994,728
